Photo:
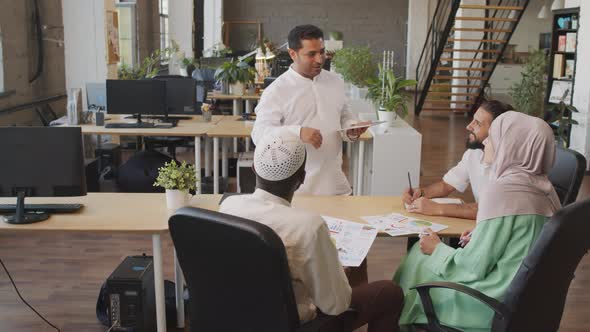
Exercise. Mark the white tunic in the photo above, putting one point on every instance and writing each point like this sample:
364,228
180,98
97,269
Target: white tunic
470,170
317,275
293,101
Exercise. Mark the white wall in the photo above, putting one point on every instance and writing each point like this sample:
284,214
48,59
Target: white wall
419,16
526,35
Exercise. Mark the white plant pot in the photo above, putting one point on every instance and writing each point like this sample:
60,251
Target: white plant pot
390,117
237,89
175,199
183,71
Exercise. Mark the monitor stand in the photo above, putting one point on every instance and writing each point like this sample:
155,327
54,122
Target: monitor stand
22,217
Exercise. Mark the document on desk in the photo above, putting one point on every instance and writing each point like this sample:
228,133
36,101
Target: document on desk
396,224
352,239
366,125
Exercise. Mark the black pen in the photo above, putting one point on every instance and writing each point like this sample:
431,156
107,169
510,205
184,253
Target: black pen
410,183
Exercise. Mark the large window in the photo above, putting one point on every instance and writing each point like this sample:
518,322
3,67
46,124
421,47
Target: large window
127,33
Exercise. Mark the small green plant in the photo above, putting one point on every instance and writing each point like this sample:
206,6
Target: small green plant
355,64
177,177
388,92
529,93
186,62
562,115
235,71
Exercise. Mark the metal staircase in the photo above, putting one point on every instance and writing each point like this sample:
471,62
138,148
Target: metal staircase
463,46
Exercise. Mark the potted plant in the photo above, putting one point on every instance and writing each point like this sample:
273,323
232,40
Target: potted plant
187,65
236,73
178,180
357,66
529,93
150,66
388,93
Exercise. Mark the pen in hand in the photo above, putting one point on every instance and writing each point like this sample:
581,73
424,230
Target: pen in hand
462,242
410,183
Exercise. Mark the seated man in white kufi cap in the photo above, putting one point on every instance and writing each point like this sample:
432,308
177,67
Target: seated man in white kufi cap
319,281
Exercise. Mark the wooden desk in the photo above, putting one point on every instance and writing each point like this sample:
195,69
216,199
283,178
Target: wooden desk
236,108
147,214
195,127
111,212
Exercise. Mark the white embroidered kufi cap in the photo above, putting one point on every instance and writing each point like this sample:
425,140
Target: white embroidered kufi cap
278,157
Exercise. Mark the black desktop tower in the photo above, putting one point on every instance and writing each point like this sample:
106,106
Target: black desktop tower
131,295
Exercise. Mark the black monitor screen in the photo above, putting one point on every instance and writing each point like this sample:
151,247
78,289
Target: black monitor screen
180,94
136,97
42,161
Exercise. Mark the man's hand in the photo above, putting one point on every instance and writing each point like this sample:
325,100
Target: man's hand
428,241
465,237
408,198
425,206
311,136
356,133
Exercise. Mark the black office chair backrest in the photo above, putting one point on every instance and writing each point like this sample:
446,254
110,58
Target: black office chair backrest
567,174
139,173
537,294
236,271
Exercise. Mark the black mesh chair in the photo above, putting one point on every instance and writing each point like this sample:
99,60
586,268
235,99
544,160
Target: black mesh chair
535,299
237,275
567,174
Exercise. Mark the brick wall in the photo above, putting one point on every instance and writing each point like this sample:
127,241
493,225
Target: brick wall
381,24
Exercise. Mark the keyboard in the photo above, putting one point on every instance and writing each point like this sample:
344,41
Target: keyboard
161,117
49,208
130,125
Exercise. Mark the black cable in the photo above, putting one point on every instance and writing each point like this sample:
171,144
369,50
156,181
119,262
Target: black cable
25,302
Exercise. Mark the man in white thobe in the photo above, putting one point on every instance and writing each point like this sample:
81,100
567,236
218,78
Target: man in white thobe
310,103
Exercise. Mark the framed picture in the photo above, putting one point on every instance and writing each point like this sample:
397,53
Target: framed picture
113,53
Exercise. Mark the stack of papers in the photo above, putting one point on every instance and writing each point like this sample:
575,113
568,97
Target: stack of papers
396,224
352,239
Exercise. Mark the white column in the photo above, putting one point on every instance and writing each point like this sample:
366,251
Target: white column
580,137
198,163
419,18
213,21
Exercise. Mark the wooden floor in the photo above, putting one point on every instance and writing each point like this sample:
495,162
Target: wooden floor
60,274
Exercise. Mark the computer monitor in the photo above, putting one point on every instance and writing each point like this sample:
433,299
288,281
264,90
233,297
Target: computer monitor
96,96
180,94
40,161
136,97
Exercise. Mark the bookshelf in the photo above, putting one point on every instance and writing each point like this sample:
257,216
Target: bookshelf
561,71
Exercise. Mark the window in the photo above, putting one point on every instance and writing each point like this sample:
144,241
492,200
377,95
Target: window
1,65
164,36
127,33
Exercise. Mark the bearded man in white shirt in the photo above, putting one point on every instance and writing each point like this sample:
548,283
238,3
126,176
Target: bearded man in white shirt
471,170
319,281
310,103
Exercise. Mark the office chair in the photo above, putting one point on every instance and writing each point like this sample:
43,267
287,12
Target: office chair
535,299
139,173
567,174
237,274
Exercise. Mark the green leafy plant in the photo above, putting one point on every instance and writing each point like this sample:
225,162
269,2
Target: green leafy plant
186,62
355,64
388,92
150,66
235,71
529,93
180,177
561,115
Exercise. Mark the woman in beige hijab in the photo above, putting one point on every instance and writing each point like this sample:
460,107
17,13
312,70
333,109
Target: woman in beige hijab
512,211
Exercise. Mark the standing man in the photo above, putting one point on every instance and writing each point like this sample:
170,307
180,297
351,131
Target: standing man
311,104
471,170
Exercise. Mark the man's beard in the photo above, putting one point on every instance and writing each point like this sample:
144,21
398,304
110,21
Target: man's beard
475,144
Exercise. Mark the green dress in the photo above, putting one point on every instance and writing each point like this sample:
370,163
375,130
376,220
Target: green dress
488,263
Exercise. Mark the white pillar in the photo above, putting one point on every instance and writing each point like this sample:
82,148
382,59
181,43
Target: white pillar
212,23
419,18
580,136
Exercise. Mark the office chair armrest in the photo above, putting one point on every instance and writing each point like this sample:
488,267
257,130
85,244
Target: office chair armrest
322,319
424,292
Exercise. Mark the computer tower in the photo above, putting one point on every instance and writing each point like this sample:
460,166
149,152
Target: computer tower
131,295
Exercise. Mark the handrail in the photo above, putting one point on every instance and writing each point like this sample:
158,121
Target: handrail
33,103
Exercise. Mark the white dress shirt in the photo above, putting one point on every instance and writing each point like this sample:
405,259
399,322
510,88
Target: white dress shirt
293,101
470,170
317,275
